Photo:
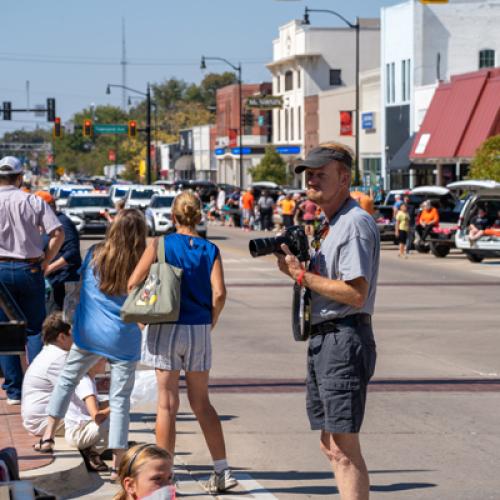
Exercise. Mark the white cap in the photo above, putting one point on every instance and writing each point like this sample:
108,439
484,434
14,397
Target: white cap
10,165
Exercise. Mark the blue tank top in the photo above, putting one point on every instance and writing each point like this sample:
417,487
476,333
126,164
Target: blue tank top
196,257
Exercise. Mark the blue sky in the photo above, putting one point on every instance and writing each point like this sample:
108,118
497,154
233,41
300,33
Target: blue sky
165,38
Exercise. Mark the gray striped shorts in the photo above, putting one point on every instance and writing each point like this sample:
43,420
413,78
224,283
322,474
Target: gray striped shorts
177,347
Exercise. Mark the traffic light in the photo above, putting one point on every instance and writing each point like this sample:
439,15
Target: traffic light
51,109
248,119
7,110
132,128
57,131
87,128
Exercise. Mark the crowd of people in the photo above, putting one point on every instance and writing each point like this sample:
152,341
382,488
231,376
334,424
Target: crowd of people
68,348
264,210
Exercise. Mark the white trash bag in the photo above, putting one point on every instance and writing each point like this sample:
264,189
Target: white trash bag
145,388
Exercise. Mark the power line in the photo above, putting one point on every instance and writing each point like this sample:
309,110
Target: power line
131,62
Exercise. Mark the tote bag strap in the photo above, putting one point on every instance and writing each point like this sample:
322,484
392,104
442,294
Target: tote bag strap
161,250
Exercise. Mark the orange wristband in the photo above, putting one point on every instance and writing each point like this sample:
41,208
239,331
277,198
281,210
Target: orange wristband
300,277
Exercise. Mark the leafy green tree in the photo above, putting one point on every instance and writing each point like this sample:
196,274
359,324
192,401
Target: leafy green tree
486,163
212,82
272,167
167,94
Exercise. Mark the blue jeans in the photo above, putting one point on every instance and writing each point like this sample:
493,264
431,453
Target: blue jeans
26,284
77,365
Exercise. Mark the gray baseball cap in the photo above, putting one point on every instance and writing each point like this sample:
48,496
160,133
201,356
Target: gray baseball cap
10,165
319,157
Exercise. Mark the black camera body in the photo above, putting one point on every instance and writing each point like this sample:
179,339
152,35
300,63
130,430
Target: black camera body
294,237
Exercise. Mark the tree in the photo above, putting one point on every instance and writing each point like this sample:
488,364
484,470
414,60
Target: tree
212,82
272,167
486,163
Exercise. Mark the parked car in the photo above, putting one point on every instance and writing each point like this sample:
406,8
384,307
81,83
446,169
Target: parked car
88,211
139,196
119,191
62,192
384,215
159,216
228,188
485,194
206,189
442,238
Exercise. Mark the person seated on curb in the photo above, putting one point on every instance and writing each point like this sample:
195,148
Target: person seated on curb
86,425
477,226
41,375
146,473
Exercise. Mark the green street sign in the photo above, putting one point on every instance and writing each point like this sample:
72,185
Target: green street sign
110,128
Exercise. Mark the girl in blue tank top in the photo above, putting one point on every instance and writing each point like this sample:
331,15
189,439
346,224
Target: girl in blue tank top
186,344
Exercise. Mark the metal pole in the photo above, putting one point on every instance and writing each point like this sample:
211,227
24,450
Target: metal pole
148,135
241,126
356,170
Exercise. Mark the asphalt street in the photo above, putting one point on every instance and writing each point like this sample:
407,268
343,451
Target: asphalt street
431,428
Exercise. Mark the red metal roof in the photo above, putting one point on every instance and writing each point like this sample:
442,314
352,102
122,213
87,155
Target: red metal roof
462,114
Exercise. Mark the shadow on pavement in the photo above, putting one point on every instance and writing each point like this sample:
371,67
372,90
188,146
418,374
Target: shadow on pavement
217,238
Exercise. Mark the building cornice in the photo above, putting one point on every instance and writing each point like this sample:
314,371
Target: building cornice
295,59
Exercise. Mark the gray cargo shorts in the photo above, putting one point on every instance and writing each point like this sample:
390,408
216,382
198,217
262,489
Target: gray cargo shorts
339,366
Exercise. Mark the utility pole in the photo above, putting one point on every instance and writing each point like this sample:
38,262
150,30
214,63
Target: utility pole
123,63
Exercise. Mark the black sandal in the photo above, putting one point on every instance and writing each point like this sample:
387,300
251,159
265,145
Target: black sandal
40,448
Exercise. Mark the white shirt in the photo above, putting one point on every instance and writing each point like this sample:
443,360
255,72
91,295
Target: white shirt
77,413
221,199
39,382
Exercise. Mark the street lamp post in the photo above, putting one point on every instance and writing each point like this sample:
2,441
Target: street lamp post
240,93
357,28
147,95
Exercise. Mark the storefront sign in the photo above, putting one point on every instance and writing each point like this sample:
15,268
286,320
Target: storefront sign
346,123
367,121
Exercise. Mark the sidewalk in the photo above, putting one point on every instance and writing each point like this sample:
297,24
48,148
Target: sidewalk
14,435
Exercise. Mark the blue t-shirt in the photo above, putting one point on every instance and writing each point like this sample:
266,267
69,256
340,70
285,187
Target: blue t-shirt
97,326
196,257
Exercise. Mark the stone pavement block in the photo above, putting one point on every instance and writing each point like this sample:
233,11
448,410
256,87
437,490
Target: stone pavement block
14,435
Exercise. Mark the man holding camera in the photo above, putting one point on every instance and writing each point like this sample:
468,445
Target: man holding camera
342,277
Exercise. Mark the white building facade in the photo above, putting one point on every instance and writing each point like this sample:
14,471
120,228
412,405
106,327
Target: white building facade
333,102
420,46
307,61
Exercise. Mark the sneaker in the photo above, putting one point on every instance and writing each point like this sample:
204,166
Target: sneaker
13,402
218,483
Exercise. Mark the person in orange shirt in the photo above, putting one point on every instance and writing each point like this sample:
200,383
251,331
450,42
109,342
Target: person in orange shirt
429,218
287,210
247,206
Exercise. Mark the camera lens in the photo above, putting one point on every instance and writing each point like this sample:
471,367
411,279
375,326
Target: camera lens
262,246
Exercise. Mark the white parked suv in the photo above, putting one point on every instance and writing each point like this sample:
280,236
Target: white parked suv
484,194
140,196
159,216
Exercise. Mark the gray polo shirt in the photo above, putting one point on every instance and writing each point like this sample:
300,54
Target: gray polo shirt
350,250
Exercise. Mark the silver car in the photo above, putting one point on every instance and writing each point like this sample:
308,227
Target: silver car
140,196
89,212
159,216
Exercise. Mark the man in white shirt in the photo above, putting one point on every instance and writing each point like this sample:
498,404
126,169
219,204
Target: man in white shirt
42,373
38,385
